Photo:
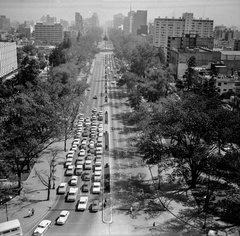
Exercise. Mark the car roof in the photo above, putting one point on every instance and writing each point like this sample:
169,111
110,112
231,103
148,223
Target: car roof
44,222
64,212
83,198
63,184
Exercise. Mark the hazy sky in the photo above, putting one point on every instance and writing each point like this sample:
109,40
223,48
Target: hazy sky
225,12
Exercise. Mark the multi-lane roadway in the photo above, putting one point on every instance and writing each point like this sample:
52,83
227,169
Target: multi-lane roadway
119,158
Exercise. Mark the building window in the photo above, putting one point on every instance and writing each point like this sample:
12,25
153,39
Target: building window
219,84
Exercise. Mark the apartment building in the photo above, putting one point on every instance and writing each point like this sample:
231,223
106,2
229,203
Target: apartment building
165,27
8,58
50,33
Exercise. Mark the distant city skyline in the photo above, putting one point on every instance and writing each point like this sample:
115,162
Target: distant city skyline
223,12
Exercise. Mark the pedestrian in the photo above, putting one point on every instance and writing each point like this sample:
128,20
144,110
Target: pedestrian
29,212
131,209
33,211
154,224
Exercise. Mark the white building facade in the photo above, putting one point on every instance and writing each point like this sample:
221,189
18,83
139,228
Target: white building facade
8,58
164,27
50,33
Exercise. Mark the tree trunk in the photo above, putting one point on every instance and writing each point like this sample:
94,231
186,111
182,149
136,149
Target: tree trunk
49,188
19,174
65,138
193,180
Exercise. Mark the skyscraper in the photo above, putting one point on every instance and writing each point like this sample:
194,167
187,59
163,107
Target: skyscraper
79,22
139,19
95,20
127,22
118,20
4,23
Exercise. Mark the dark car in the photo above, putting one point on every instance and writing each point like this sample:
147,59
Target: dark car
85,134
85,188
86,176
95,97
95,205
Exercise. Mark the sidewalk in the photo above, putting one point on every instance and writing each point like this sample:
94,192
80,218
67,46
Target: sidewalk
34,193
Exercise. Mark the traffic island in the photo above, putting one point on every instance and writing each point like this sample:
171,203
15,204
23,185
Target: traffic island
107,200
107,209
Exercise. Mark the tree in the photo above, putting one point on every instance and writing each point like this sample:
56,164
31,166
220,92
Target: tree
30,50
67,96
48,177
144,56
185,122
57,57
190,71
152,148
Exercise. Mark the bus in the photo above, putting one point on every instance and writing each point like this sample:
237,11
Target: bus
11,228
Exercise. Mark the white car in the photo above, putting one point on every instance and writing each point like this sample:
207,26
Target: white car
100,125
87,123
70,153
79,130
88,165
100,129
63,217
62,188
68,161
96,187
98,166
82,152
74,147
42,227
81,119
94,109
93,128
84,142
97,176
78,169
100,113
69,170
74,180
82,204
91,144
100,134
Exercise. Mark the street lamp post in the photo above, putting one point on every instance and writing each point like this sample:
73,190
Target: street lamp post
6,206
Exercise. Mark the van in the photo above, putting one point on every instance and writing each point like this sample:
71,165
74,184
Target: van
72,194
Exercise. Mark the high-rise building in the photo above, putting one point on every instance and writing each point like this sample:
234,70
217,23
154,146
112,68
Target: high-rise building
95,20
51,20
8,58
139,19
165,27
64,23
127,22
50,33
118,20
79,22
4,23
